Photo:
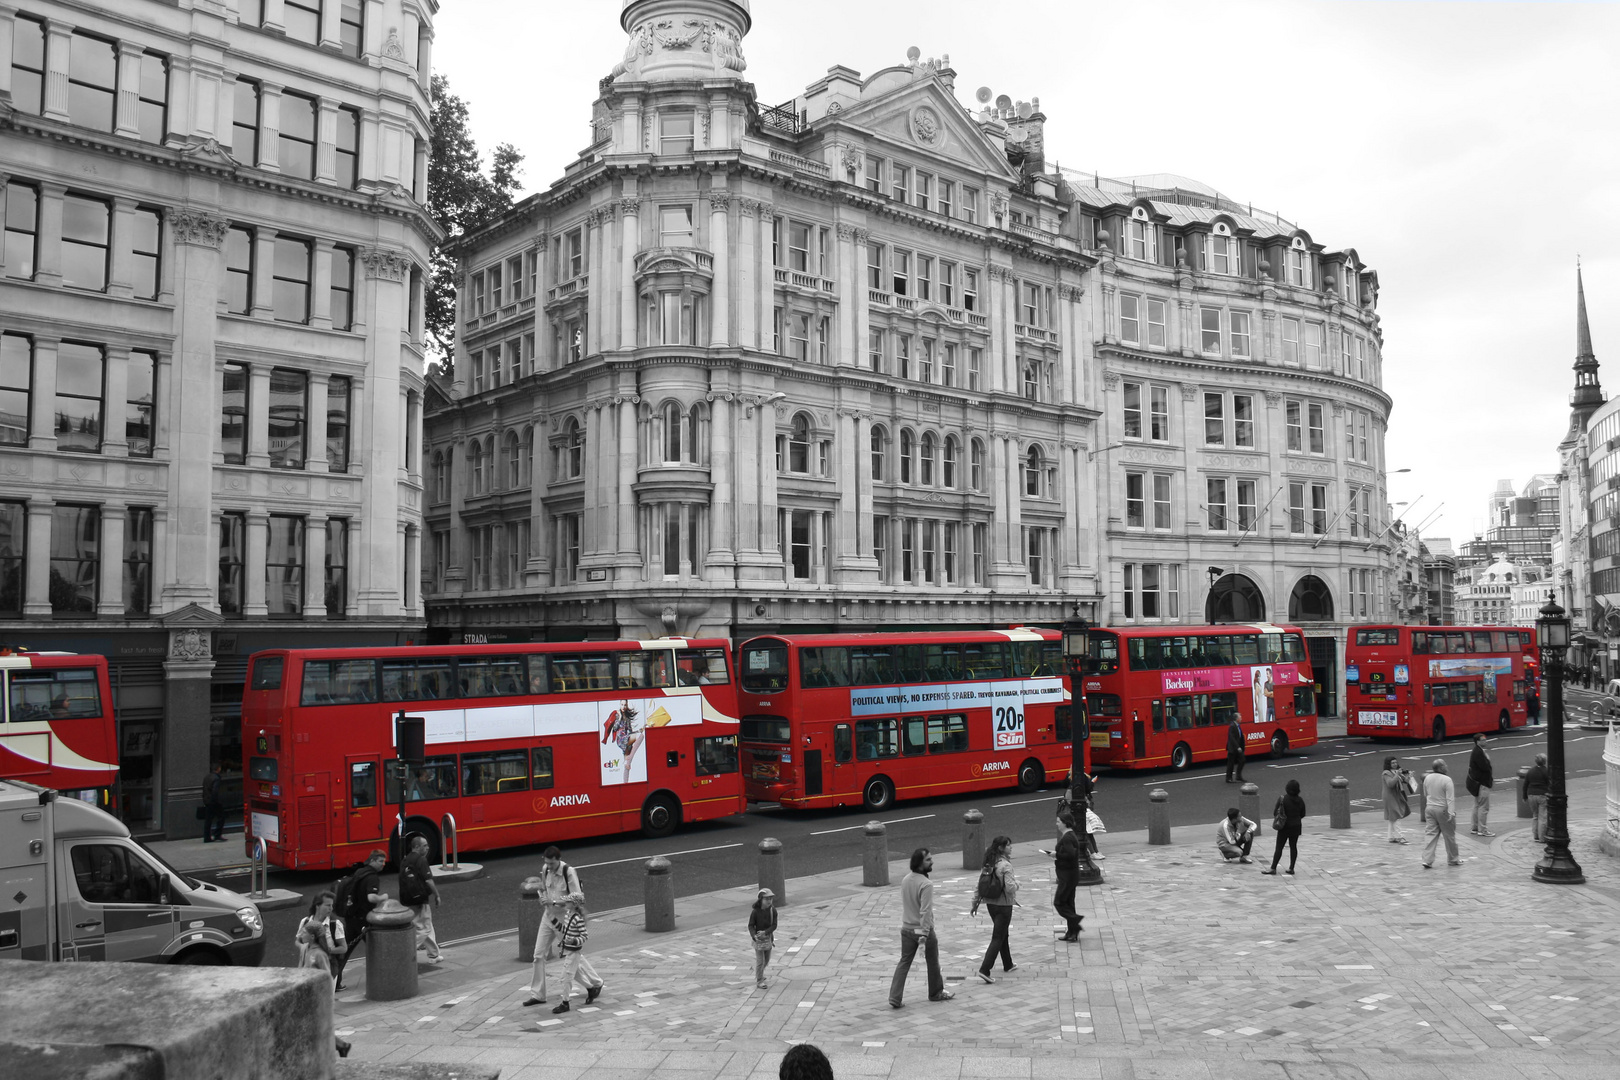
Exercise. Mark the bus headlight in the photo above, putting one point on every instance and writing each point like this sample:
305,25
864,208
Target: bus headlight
251,919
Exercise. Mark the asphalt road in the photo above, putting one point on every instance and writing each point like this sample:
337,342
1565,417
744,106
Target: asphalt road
724,854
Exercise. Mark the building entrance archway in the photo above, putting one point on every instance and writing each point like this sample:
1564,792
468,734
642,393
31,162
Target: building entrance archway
1234,598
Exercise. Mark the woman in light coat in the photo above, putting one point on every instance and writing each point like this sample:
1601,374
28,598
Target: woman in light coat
1396,806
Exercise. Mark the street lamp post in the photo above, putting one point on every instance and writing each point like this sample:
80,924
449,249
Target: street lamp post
1076,648
1557,865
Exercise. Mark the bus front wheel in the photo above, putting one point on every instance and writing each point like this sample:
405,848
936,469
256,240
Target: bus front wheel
1503,723
1279,744
1180,757
1439,734
878,794
1031,776
660,816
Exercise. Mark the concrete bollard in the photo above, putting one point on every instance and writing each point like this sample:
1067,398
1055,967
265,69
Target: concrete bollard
770,870
530,911
1518,793
1339,804
875,864
972,840
390,952
1158,816
1249,806
658,898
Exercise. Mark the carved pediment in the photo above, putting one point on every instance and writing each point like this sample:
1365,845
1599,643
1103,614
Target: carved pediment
192,615
930,122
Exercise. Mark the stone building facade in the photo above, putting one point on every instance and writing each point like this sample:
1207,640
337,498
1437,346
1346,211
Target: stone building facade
211,369
865,360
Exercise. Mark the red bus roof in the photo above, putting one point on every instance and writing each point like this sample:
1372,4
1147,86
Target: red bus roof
387,651
1214,628
916,637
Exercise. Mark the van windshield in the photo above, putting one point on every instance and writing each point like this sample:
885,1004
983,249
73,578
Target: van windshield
185,878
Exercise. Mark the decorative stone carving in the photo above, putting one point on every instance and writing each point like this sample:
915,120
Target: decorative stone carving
747,206
998,204
1071,292
719,201
1189,392
1274,398
191,643
845,232
1111,380
393,49
925,126
835,108
389,264
198,229
728,48
851,159
860,236
629,207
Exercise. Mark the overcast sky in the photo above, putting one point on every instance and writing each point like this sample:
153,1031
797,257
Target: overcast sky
1467,151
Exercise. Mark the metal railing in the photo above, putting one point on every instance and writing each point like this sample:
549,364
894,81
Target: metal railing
447,830
259,872
783,118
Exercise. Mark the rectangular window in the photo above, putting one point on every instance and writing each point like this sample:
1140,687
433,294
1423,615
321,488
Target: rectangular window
1215,503
13,556
92,82
908,549
902,356
1239,323
980,540
900,181
232,557
925,189
337,567
1128,595
28,65
1159,413
284,566
574,253
137,561
1242,420
798,540
1290,341
296,144
245,123
874,267
1319,509
675,226
1296,429
947,283
1161,500
975,363
16,390
1032,305
75,560
1313,345
1318,433
145,230
675,132
925,361
1156,323
901,267
1363,422
1150,590
925,277
874,174
234,414
80,378
880,544
140,395
1210,331
948,364
1135,500
338,390
1214,420
289,404
1133,410
970,290
950,553
928,552
1246,504
22,226
302,20
347,162
1129,319
1296,508
239,270
352,26
152,98
290,279
86,226
947,198
875,349
342,294
970,205
798,247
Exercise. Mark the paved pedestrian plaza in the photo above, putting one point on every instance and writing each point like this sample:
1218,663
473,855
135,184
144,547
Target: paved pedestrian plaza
1362,964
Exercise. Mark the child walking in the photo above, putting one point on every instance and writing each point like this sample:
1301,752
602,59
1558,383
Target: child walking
762,929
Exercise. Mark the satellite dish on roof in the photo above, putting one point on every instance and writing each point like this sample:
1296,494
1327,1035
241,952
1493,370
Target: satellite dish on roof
1003,102
913,53
983,95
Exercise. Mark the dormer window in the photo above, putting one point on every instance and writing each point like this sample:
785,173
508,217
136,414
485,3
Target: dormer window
1222,254
675,133
1142,240
1348,287
1299,264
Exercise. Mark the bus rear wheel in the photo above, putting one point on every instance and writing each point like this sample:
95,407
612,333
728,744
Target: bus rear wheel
1181,757
1504,723
1439,734
878,794
1031,776
415,827
1279,744
660,816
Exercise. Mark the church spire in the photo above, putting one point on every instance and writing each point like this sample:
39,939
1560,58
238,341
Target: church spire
1583,332
1588,394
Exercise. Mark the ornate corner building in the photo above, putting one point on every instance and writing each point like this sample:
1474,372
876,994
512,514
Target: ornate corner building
211,367
865,360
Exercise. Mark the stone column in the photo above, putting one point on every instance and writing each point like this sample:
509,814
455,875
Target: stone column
765,448
126,108
58,43
42,422
628,548
111,569
121,272
629,245
326,118
48,240
331,26
180,121
187,676
315,566
253,568
595,304
263,300
1074,559
315,460
861,313
270,124
320,287
720,246
722,512
376,414
258,418
37,588
1069,336
114,436
748,281
596,535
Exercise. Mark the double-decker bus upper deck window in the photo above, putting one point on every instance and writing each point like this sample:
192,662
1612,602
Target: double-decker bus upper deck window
338,682
1271,648
826,666
877,739
765,729
1246,649
53,693
496,772
910,666
573,672
1026,658
765,668
871,665
714,755
700,667
943,661
1103,656
985,659
539,675
648,670
491,676
267,673
416,680
1499,641
1051,659
1294,651
1386,635
1420,643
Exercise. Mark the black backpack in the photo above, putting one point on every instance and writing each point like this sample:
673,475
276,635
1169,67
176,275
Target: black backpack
342,893
991,886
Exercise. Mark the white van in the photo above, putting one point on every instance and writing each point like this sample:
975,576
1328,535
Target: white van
74,885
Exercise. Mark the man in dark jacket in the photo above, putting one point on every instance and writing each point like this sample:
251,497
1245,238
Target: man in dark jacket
1479,785
362,892
213,809
1535,793
1067,862
1234,750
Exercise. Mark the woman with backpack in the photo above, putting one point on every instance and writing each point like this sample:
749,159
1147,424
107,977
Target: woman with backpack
320,936
998,892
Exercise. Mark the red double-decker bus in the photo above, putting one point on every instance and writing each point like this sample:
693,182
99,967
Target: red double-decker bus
864,719
526,744
1164,695
58,729
1429,682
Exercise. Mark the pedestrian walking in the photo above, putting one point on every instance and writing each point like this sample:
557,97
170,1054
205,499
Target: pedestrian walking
1532,706
1066,862
1440,810
804,1062
213,809
1479,784
1234,751
356,895
559,890
998,892
762,931
1094,825
1535,793
576,969
917,931
320,935
1234,836
419,892
1397,787
1288,821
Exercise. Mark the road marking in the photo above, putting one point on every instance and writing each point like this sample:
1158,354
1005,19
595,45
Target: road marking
661,854
848,828
1026,802
1184,779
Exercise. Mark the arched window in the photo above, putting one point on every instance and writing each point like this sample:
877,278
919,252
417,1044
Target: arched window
514,462
573,450
672,431
926,477
1141,239
1033,465
798,457
1234,599
1222,250
907,446
976,465
697,434
1032,380
475,466
948,465
1299,263
441,491
880,442
1311,601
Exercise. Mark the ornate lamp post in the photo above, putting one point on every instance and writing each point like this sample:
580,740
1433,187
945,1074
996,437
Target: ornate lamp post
1557,866
1076,648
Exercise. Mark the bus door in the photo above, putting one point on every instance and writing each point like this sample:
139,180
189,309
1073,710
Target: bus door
844,781
1138,747
365,813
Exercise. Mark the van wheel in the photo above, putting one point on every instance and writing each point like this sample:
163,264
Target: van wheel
202,957
1504,723
660,816
1439,734
1279,744
879,794
1180,757
1031,776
